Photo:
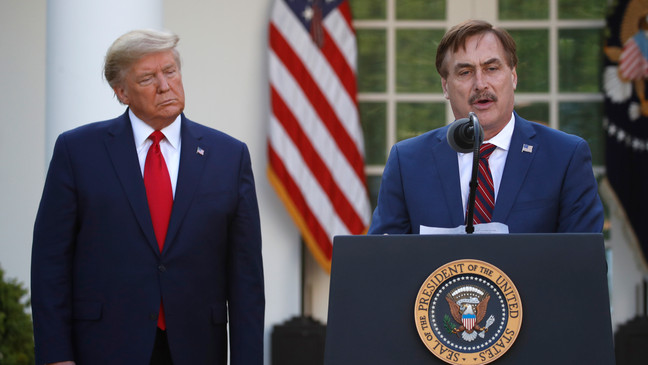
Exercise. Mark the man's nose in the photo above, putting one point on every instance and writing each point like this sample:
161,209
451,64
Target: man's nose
480,80
163,84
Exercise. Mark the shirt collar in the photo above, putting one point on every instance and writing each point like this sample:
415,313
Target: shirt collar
142,131
503,138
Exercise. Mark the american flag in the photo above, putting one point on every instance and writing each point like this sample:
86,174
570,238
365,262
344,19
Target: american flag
315,142
626,121
633,64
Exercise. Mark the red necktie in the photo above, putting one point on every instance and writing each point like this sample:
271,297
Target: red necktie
485,195
159,195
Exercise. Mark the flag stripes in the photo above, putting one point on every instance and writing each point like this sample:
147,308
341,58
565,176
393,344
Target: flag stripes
632,64
315,141
315,96
322,171
301,119
311,63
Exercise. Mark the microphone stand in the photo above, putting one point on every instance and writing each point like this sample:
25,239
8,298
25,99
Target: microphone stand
473,179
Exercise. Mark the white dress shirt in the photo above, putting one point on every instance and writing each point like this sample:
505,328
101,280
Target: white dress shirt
170,145
496,162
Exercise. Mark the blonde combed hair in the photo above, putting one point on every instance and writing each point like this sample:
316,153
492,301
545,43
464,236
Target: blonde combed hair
132,46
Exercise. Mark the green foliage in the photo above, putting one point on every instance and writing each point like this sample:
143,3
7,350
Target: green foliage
449,324
16,338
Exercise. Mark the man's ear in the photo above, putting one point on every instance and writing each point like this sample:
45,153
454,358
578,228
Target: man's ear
444,86
121,94
514,78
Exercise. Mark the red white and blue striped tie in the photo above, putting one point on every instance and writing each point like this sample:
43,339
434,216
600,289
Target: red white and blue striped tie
485,195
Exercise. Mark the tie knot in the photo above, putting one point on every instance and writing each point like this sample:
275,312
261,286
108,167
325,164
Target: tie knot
156,137
486,150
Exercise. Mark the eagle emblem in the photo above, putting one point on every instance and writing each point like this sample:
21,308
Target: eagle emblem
468,306
479,319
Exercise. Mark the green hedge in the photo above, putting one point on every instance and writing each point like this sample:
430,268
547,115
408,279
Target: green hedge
16,335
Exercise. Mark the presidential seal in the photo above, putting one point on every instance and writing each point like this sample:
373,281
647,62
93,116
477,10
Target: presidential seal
468,312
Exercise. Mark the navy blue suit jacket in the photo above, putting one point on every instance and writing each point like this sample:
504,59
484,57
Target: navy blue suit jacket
551,189
97,273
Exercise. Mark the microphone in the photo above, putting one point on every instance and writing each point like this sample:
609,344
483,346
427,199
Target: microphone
466,135
461,134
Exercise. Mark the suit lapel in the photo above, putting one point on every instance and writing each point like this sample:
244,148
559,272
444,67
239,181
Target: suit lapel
445,158
192,160
121,148
515,169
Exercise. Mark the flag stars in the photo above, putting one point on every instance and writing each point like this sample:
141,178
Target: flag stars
308,13
623,137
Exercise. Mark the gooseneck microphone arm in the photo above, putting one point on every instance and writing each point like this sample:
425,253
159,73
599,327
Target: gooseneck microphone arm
475,168
465,135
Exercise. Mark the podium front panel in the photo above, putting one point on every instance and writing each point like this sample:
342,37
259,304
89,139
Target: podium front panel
561,279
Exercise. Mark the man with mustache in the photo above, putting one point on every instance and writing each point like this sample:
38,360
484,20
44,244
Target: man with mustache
533,178
147,242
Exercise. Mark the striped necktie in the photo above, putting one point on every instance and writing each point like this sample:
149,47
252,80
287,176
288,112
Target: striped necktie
485,195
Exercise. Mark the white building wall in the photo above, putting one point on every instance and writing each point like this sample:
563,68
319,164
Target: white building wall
22,130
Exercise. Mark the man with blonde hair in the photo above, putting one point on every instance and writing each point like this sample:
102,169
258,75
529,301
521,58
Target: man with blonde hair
147,242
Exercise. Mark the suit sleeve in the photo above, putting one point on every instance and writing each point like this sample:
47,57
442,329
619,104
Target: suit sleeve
391,215
52,254
246,303
580,206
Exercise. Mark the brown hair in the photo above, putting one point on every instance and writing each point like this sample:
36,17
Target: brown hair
456,37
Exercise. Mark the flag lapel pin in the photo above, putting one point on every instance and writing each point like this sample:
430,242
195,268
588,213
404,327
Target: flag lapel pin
527,148
200,151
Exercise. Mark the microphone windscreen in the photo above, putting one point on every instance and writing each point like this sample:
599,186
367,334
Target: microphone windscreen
461,135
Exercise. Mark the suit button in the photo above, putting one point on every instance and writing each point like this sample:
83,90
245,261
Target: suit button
161,268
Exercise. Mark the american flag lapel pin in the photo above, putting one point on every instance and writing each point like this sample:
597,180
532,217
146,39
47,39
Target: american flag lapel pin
200,151
527,148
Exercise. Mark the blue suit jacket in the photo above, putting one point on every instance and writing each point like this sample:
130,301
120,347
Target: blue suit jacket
97,273
551,189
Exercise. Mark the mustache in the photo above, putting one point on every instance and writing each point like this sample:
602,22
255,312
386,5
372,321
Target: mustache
486,95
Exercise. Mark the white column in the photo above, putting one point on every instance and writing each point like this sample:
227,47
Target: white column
78,34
